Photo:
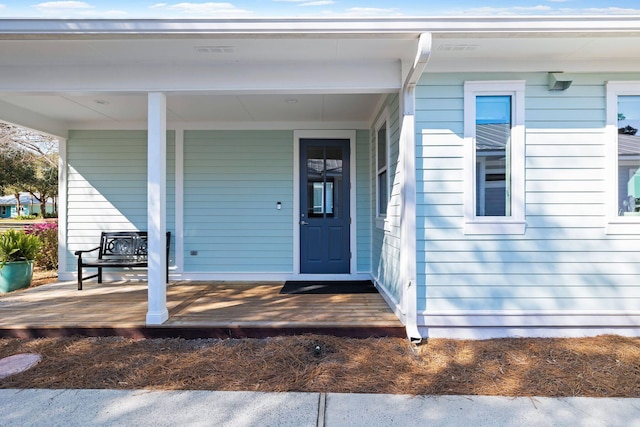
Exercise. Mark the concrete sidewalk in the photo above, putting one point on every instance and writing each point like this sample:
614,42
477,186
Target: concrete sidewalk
220,408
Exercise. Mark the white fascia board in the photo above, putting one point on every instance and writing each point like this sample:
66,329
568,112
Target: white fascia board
28,119
437,65
14,28
294,77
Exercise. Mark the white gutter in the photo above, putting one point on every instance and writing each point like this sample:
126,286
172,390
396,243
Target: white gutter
408,254
14,28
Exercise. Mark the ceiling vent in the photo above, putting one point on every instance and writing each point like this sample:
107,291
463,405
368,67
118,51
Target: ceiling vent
458,47
214,49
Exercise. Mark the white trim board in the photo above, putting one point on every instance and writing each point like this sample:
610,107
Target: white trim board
500,324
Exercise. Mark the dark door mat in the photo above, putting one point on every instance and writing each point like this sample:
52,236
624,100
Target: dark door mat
329,287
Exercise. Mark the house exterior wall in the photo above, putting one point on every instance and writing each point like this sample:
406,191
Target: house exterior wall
385,251
106,187
565,271
231,182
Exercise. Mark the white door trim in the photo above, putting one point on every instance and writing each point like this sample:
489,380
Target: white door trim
324,134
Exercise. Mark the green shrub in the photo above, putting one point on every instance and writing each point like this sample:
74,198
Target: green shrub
17,245
25,217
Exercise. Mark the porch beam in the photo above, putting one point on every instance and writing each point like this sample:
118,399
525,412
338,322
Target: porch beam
156,208
276,78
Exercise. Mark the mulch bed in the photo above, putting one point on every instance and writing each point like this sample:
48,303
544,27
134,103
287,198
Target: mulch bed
604,366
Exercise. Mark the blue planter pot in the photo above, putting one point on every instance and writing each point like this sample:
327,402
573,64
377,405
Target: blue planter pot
16,275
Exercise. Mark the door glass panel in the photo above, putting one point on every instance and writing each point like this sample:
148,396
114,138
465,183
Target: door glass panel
334,183
324,182
315,181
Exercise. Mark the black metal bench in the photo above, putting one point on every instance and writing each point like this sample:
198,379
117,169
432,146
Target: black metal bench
118,249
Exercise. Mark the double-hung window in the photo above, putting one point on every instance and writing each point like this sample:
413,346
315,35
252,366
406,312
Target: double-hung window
494,157
382,166
623,126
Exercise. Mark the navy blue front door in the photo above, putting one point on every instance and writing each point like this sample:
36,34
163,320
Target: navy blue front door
324,206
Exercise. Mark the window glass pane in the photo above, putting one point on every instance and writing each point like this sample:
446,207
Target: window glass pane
628,155
324,182
382,146
315,181
334,183
493,156
383,197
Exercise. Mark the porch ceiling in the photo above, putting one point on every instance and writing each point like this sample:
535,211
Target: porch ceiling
58,75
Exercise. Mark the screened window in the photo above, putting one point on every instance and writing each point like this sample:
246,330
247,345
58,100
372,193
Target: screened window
628,155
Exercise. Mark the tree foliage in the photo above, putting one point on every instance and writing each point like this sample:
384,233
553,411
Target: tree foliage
28,162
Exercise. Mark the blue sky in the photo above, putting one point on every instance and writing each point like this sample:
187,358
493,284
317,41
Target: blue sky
308,8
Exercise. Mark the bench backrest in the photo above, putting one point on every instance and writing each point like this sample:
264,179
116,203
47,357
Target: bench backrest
126,245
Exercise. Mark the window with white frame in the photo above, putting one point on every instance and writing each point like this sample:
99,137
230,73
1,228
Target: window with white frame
494,157
623,123
382,167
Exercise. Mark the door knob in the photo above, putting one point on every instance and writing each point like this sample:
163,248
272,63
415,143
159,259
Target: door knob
304,223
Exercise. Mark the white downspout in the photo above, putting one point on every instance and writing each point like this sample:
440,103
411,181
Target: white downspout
408,254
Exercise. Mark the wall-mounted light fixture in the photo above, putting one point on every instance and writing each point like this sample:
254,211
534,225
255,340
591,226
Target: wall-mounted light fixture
279,206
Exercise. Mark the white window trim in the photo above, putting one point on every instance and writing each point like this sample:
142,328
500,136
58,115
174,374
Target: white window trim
514,224
617,224
383,120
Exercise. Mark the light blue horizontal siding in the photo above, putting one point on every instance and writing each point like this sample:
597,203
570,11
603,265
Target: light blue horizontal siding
386,244
565,260
107,186
232,182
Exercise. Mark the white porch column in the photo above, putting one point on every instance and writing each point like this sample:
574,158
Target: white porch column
157,312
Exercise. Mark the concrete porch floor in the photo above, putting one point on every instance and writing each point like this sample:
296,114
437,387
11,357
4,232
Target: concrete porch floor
196,309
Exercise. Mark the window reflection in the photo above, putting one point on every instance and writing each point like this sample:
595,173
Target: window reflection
324,181
493,156
628,155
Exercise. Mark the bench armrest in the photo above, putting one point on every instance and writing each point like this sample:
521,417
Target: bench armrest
79,253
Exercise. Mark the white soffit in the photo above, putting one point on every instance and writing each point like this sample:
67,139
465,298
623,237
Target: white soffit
593,53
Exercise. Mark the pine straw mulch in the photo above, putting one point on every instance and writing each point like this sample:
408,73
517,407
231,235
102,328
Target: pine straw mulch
604,366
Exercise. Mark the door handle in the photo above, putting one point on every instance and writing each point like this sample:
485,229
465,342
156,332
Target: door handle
304,223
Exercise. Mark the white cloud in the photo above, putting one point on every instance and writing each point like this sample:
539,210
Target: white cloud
318,3
203,10
516,10
372,11
606,11
63,5
544,10
76,9
308,2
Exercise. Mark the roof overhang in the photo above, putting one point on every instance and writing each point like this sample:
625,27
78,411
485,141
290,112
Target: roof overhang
58,70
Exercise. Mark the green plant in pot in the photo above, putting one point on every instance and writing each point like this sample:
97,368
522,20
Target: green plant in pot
18,250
